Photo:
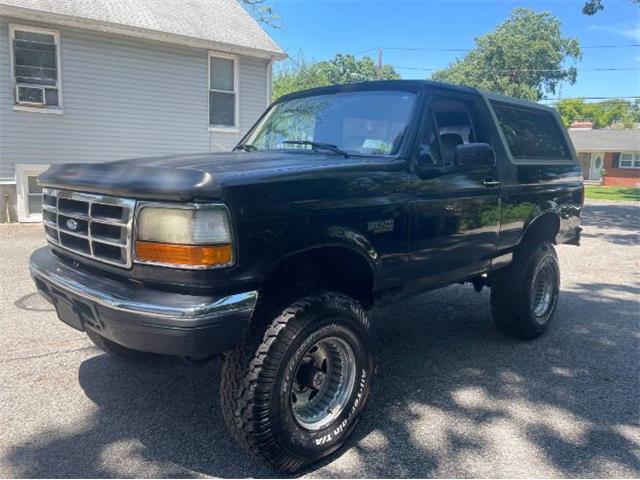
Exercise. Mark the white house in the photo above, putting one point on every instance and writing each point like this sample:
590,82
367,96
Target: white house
99,80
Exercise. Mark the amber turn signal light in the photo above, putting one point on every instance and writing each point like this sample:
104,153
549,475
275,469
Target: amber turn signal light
189,256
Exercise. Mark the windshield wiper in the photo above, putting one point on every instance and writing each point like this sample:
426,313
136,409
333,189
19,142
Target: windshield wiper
318,145
247,147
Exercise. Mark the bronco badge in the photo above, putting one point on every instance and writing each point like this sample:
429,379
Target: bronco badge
381,226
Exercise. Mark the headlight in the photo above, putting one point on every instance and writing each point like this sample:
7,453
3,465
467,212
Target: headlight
194,236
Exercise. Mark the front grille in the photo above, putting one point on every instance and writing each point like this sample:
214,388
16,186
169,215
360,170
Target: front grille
94,226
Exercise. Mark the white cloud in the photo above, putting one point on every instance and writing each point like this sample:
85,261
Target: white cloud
625,29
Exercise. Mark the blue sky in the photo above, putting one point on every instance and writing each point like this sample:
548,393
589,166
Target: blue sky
322,28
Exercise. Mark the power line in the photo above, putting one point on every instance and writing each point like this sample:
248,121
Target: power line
504,70
607,69
613,46
514,70
621,98
364,51
428,49
420,49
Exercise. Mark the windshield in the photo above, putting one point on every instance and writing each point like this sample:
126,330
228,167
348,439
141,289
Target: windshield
358,123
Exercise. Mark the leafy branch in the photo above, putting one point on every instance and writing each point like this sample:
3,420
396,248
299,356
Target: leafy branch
591,7
263,13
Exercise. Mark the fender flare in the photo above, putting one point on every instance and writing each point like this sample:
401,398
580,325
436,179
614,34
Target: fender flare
548,209
330,237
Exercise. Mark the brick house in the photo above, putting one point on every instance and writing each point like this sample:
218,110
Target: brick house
609,156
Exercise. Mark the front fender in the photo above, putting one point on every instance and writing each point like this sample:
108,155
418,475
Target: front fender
355,240
326,237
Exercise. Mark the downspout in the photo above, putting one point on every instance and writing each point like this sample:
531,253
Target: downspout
7,208
269,81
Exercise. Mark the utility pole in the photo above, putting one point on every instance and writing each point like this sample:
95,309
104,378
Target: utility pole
379,69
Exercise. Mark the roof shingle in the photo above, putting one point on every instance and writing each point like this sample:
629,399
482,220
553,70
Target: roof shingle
219,21
606,140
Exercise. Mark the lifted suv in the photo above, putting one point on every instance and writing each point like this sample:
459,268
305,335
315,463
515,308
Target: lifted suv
337,199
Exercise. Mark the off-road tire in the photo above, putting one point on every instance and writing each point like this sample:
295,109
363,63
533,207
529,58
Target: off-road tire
114,349
257,379
512,305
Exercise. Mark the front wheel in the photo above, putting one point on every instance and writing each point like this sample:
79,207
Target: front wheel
525,294
294,391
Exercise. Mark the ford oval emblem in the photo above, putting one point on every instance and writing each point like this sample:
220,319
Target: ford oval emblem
72,224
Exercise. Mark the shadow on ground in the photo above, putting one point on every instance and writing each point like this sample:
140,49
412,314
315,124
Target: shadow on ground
457,365
624,218
619,216
452,394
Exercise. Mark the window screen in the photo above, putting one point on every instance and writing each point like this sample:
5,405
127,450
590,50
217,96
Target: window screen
531,134
35,68
222,94
34,191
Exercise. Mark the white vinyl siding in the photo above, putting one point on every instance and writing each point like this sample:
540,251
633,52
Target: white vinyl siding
123,98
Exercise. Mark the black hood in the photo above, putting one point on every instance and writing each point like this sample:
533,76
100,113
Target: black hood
189,177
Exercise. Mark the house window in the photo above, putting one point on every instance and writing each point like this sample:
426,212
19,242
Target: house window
29,192
35,68
630,160
223,91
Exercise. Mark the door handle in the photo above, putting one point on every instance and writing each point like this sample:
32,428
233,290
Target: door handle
491,183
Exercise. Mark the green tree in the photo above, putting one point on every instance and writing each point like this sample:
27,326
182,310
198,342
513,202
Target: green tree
262,12
348,69
298,74
295,74
572,109
609,113
591,7
523,57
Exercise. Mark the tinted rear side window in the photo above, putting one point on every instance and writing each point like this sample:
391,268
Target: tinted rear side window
531,134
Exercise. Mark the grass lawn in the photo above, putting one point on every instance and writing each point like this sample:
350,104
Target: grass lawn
613,193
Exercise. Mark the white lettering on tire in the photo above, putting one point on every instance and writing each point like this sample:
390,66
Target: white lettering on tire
343,425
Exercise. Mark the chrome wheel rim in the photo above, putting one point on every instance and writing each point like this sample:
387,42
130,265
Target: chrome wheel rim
542,292
323,382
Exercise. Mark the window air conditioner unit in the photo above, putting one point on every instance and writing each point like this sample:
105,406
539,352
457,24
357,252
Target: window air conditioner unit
30,95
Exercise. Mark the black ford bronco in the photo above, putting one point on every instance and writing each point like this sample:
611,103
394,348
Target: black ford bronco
338,199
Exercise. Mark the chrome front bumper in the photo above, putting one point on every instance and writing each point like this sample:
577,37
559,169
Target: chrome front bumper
142,318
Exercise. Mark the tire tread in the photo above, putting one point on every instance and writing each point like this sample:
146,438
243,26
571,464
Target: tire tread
245,389
508,285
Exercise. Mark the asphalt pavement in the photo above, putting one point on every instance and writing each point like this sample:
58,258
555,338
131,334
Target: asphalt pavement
453,396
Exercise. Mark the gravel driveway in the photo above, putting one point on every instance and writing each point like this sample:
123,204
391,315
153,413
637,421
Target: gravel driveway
453,397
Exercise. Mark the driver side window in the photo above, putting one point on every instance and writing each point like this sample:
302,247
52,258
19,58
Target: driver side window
451,124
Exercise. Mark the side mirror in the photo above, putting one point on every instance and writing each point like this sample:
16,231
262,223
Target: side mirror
475,155
425,166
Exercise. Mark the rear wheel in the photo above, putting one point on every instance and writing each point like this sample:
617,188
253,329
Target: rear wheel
114,349
525,294
294,391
